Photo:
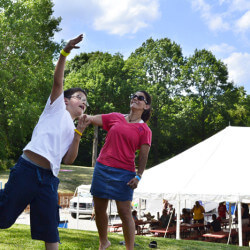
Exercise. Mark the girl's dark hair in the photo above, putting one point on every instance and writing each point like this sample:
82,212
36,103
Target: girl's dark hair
69,92
147,112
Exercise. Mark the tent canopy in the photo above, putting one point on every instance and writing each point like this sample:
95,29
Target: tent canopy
217,169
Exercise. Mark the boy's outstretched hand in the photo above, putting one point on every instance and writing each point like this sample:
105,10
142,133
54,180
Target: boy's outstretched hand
83,123
72,44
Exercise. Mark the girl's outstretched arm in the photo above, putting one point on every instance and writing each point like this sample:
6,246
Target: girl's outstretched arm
95,119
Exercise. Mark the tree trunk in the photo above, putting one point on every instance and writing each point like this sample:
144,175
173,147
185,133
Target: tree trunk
155,143
95,144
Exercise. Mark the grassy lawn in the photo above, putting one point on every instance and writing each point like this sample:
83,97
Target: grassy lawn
73,176
70,177
18,237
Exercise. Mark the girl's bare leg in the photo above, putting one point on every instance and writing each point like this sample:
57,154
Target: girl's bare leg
101,219
128,224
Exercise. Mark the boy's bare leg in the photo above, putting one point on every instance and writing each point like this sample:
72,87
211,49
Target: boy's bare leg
51,246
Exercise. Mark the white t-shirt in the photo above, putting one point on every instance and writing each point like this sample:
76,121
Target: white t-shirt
53,133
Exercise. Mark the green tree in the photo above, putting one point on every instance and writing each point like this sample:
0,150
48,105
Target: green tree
155,67
208,96
103,76
239,113
27,50
192,97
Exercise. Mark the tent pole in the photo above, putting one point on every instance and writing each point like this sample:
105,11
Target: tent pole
178,224
230,213
139,206
231,222
171,214
240,224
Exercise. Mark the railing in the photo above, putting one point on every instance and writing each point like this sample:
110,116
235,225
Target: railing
64,198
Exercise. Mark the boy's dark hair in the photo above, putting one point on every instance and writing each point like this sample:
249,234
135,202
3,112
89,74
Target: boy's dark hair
147,112
69,92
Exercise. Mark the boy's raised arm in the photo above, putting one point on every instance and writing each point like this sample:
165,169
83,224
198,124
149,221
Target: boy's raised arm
57,88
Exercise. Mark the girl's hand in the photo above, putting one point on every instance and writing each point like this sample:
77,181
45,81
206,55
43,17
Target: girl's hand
133,183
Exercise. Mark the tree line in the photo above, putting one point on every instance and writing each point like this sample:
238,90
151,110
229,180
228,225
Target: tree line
192,96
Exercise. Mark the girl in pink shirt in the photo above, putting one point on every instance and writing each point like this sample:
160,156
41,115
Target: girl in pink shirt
114,175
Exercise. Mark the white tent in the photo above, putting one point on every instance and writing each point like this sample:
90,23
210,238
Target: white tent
217,169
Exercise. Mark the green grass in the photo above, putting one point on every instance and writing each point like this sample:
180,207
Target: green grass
70,180
18,237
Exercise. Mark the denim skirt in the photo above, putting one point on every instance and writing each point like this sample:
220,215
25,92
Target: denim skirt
111,183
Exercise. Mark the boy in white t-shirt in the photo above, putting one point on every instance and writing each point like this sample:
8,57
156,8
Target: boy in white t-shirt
33,180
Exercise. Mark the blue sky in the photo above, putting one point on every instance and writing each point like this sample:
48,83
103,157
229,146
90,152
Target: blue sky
222,26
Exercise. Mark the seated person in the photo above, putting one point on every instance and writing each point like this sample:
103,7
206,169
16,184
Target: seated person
245,214
165,204
245,222
186,216
162,222
222,211
164,219
172,211
148,216
215,224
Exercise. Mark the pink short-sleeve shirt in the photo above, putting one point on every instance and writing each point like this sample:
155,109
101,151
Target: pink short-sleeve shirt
122,141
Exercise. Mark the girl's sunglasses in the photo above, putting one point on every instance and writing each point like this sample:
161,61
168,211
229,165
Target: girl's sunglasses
139,97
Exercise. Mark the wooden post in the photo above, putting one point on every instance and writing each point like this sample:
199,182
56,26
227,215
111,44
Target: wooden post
95,144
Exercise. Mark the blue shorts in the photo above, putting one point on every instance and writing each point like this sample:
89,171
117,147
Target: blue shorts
30,184
111,183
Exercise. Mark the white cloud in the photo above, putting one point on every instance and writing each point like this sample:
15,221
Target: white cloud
225,15
221,50
238,63
124,17
243,24
214,21
239,5
113,16
238,67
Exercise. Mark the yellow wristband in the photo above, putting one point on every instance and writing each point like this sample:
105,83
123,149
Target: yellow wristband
78,132
64,53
